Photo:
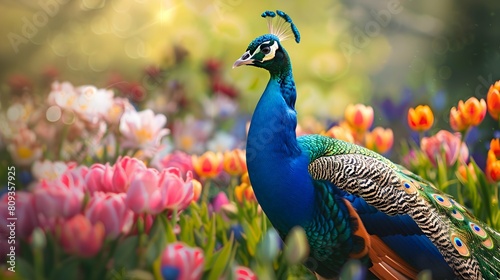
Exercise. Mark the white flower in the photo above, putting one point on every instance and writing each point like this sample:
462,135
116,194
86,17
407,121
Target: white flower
48,170
90,103
63,95
93,104
142,129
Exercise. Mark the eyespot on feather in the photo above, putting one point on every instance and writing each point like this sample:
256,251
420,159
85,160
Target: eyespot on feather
477,230
441,200
408,186
457,215
459,245
488,243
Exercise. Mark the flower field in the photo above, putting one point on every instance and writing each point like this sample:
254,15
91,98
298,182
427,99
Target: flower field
143,175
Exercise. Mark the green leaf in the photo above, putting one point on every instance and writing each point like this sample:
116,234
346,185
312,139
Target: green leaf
220,262
187,231
157,239
25,269
125,255
68,269
211,240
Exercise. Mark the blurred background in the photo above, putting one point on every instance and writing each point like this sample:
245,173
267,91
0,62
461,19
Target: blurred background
391,54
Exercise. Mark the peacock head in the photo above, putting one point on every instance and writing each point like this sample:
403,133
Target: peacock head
266,51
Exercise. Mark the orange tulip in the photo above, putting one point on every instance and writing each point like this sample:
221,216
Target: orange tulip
457,121
380,140
340,132
234,162
495,147
467,114
463,169
359,116
196,189
493,100
492,167
208,165
244,190
421,118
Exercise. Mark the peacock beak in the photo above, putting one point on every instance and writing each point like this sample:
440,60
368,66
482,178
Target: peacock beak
244,60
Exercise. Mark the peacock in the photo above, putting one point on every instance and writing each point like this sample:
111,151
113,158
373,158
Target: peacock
352,202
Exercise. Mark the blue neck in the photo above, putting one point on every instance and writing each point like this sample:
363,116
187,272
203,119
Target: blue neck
276,164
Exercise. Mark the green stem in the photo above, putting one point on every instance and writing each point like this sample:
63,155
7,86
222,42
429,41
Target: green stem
206,191
38,263
64,134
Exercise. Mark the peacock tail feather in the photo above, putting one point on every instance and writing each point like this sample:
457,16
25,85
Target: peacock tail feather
469,246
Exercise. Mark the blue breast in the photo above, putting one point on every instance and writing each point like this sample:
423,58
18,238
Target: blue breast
276,165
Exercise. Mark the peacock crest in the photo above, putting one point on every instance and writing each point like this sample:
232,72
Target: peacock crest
279,28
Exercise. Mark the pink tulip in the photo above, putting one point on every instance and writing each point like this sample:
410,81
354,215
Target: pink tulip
447,143
176,159
181,262
78,236
99,179
176,192
124,170
153,192
144,196
61,198
24,212
130,165
111,211
244,273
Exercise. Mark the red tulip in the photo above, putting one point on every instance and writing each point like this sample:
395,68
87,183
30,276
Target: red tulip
78,236
111,211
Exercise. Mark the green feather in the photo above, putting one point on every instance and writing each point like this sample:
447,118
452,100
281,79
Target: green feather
469,246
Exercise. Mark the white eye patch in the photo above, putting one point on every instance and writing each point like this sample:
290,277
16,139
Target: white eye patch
271,53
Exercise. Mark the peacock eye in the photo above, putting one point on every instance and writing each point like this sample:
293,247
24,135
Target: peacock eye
265,50
245,56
